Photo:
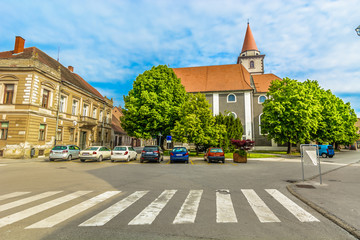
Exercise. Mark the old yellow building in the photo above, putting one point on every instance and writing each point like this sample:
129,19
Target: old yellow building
39,95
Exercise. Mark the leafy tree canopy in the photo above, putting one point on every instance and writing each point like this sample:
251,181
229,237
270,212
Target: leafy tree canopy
153,105
234,130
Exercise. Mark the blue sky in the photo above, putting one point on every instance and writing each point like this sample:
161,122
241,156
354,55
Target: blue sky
109,43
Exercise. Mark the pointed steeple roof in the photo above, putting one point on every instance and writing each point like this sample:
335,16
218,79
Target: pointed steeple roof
249,41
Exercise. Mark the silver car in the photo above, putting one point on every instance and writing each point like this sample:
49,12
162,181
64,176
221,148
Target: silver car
66,152
123,153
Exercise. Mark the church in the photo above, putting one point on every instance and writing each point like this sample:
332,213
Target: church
238,89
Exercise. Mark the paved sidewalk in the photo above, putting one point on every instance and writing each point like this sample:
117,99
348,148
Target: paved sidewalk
337,198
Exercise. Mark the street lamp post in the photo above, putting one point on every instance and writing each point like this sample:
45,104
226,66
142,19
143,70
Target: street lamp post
358,30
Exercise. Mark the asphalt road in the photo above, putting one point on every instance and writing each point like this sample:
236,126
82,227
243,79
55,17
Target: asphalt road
92,200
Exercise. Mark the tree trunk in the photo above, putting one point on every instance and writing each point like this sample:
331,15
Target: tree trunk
289,148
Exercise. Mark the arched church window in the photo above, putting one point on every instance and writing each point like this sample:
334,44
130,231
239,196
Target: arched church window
252,64
231,98
232,114
261,99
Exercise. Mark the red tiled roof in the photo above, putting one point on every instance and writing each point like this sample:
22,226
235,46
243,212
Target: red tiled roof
66,74
249,41
116,125
214,78
262,81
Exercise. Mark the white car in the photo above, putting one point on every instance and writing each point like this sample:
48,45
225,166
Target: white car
98,153
123,153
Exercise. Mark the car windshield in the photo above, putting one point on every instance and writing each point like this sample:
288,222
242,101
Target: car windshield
120,149
180,149
216,150
92,148
59,148
150,149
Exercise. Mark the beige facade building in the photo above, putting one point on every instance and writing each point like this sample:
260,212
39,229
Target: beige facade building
43,103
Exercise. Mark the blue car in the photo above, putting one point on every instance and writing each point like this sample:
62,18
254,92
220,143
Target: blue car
179,154
326,151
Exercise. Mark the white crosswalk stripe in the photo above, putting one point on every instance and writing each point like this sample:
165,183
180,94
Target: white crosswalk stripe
225,212
11,195
148,215
295,209
70,212
188,211
109,213
27,200
42,207
262,211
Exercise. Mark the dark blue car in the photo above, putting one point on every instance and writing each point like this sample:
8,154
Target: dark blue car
179,154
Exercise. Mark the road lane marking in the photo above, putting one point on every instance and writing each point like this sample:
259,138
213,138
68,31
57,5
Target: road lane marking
148,215
70,212
27,200
188,211
225,212
109,213
40,208
292,207
11,195
262,211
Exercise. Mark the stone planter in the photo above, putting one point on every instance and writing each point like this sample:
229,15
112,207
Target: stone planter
239,159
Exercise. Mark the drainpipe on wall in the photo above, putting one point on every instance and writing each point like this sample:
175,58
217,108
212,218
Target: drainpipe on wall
103,125
57,113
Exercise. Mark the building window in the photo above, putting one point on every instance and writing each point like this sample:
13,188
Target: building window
59,134
4,130
45,98
9,93
261,99
85,110
62,106
232,114
252,64
231,98
94,112
108,118
74,107
101,116
42,130
71,137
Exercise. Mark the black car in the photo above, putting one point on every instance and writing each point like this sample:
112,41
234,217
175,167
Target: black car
152,153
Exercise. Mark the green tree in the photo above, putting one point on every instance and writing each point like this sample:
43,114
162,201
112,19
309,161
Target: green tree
196,124
152,106
233,130
291,112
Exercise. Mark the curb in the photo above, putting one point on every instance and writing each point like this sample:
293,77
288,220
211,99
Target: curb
338,221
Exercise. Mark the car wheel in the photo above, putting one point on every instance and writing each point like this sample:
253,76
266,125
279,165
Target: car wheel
135,157
187,161
69,158
51,159
223,161
112,160
208,160
128,159
323,155
331,156
82,160
141,161
100,158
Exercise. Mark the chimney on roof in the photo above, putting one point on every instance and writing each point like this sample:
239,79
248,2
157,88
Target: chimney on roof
19,45
71,68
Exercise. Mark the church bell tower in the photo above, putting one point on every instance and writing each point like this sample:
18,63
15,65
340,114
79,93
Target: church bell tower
250,56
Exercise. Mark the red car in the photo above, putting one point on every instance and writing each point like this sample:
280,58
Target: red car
214,154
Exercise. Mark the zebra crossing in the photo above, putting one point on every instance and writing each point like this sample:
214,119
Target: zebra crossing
187,212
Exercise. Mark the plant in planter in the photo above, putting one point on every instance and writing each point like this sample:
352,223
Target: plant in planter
242,146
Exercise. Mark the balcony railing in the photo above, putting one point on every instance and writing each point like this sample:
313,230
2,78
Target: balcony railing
88,121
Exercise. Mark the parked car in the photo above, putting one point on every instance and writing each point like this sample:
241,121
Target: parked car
179,154
98,153
326,151
66,152
214,154
152,153
123,153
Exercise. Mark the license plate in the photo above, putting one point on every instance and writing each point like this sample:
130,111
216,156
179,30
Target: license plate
178,155
148,153
85,154
118,153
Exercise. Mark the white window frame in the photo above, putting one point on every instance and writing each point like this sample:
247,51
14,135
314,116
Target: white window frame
76,107
62,107
101,115
227,98
85,109
8,80
94,112
260,97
